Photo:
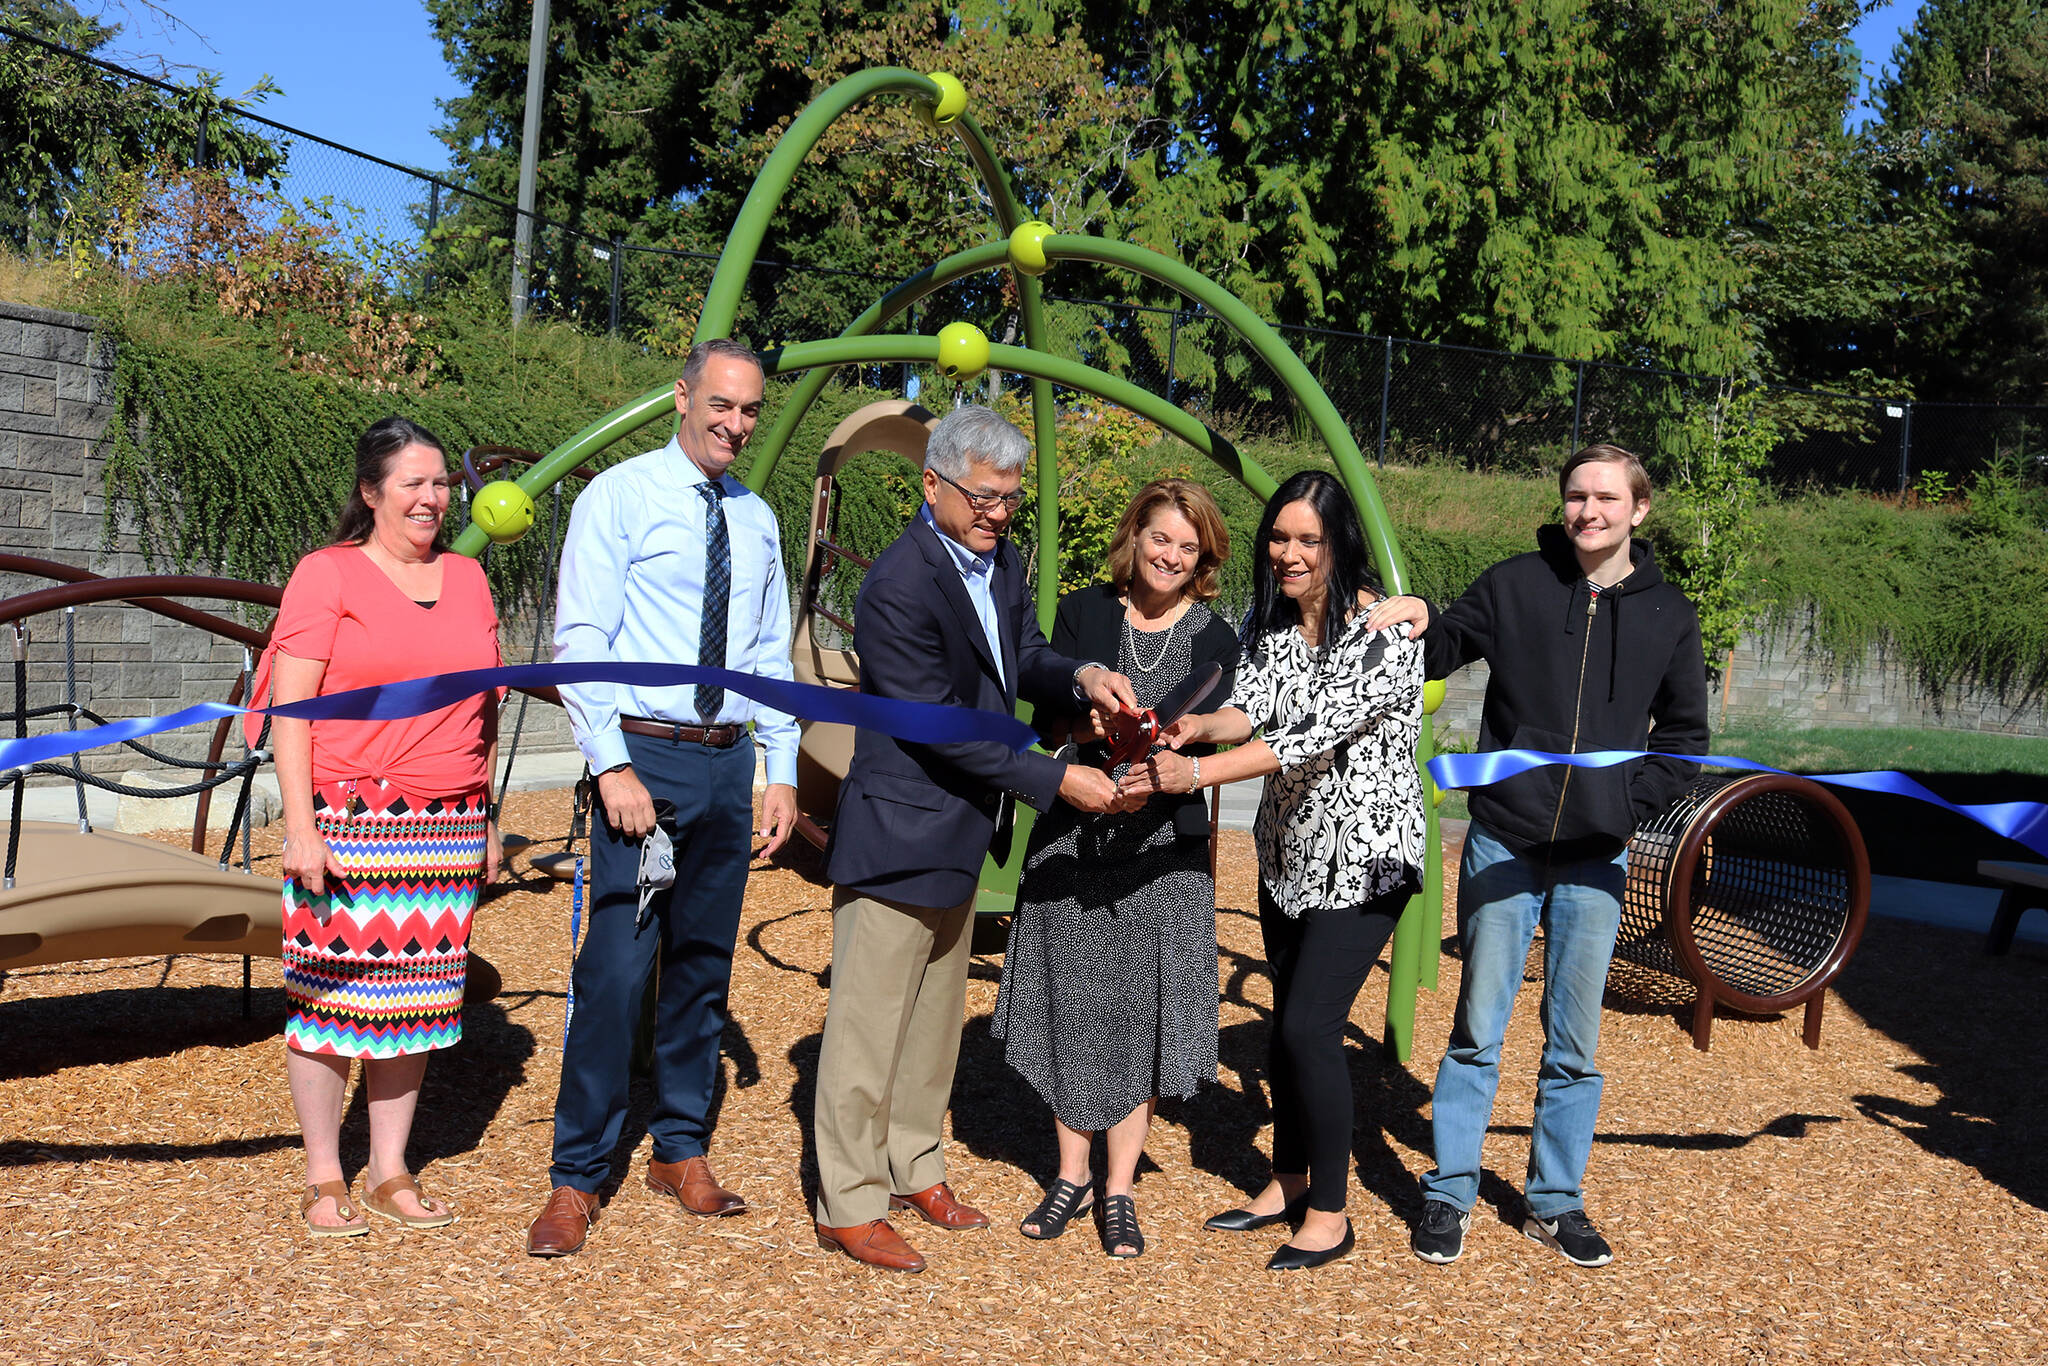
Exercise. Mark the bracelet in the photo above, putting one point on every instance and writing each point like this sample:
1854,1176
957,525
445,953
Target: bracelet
1194,772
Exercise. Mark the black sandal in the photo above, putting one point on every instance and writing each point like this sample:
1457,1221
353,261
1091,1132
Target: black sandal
1061,1204
1120,1226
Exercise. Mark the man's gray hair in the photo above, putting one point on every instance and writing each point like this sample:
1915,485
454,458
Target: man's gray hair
701,354
975,433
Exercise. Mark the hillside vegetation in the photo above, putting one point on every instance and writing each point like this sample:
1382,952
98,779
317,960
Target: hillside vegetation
233,444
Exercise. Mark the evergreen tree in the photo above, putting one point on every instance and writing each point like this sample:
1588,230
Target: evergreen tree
1551,175
1848,278
651,108
1970,87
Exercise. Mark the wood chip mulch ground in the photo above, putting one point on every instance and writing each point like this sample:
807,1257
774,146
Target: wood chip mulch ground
1884,1199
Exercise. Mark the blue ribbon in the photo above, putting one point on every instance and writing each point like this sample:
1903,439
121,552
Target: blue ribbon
918,722
2026,822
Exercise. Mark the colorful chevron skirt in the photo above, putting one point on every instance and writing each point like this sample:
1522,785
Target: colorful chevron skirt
374,967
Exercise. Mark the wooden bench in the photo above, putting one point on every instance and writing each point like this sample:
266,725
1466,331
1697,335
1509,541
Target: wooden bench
2026,888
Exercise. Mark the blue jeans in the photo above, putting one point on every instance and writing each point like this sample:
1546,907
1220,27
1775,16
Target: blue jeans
1502,896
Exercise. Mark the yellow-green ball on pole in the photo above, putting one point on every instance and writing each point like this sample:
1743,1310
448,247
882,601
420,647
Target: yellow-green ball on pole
1027,248
502,510
963,352
950,105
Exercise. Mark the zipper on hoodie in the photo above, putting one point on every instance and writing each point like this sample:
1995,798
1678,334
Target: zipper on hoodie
1578,708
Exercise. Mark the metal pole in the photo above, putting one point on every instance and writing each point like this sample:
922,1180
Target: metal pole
1905,446
906,364
1386,388
1578,401
433,222
618,278
529,154
1172,345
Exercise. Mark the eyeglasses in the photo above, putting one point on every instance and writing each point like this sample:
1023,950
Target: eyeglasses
988,502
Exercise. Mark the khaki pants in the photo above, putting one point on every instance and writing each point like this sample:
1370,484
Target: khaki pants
892,1039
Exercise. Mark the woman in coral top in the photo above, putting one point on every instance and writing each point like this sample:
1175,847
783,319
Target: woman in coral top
387,827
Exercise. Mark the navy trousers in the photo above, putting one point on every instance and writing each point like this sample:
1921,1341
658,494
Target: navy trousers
690,931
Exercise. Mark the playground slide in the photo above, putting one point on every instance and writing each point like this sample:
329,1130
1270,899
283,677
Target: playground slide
101,895
104,895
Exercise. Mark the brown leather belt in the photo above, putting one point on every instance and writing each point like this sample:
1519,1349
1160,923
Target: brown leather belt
718,737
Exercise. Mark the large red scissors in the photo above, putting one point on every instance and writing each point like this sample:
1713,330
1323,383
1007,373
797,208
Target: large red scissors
1130,738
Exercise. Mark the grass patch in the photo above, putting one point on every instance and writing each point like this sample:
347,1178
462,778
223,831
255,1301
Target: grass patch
1931,756
1850,749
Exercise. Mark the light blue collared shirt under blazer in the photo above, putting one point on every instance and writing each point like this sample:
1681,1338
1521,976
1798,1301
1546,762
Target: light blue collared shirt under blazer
978,573
632,590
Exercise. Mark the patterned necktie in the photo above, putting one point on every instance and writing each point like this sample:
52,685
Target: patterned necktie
717,597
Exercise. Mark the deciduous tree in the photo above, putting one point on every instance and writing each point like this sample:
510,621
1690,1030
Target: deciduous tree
71,132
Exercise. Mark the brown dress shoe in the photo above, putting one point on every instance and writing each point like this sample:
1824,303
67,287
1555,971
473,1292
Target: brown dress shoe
938,1206
875,1242
693,1186
563,1224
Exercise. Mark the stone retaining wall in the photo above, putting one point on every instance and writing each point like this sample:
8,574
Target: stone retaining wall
1774,679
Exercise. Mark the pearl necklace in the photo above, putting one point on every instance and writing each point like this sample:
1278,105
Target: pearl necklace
1131,635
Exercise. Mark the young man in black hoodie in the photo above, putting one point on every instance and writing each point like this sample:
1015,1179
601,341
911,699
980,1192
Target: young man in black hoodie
1590,649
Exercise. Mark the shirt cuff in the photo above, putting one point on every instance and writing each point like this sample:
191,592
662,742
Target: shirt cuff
781,766
606,750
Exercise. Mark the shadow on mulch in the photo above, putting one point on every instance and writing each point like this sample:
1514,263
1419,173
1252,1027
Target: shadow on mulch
45,1034
463,1092
1977,1024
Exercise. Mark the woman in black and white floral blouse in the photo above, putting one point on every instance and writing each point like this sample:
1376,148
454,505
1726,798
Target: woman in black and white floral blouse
1340,829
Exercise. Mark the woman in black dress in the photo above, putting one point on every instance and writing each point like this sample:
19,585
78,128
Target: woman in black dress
1108,998
1337,708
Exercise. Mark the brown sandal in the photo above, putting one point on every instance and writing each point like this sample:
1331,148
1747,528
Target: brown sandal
380,1201
338,1192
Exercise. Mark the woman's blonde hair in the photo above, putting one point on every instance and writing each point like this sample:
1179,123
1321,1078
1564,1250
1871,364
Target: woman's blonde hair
1191,501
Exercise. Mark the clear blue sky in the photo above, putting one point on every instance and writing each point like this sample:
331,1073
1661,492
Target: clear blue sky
367,73
1875,37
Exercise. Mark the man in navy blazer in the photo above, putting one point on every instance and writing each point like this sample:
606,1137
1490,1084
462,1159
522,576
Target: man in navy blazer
945,615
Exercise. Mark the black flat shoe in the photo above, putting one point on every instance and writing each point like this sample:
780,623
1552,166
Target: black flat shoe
1292,1258
1244,1221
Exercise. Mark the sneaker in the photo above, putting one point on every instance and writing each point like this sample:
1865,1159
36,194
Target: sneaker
1573,1234
1439,1234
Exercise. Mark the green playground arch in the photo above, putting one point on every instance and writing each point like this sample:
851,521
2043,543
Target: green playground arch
1028,249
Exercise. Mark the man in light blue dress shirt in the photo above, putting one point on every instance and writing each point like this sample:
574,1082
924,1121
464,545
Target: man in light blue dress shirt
647,539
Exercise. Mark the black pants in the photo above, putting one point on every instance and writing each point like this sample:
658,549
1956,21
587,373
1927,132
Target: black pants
1319,962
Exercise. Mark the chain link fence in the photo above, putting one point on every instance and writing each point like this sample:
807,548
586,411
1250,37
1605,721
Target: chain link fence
1405,402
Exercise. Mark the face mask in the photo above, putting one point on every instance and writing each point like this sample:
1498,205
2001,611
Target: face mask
657,858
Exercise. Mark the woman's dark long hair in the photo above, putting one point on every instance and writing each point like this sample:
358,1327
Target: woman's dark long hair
1346,558
376,448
